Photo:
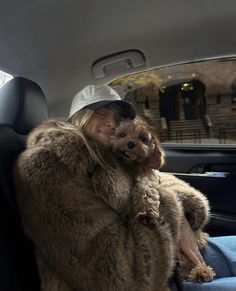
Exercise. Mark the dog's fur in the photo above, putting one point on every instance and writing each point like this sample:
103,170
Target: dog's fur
139,147
137,143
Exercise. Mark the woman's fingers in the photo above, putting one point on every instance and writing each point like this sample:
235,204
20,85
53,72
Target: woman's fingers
188,245
199,255
195,257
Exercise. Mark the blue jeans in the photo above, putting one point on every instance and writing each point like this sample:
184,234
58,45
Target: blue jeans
221,255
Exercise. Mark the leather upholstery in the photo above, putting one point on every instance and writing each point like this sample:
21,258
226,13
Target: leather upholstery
22,107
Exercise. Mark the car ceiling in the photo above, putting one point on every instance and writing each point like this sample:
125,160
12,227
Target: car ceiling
56,42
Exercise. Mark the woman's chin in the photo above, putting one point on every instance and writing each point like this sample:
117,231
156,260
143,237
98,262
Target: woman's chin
106,143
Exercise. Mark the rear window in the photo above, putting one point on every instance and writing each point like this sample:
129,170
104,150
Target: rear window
192,103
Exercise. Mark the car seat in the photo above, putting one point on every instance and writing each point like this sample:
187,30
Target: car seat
22,107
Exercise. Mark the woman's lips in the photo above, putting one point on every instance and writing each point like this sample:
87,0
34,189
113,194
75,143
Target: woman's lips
109,133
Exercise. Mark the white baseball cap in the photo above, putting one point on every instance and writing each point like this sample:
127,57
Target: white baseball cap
96,96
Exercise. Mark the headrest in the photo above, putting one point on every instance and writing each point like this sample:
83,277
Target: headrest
22,105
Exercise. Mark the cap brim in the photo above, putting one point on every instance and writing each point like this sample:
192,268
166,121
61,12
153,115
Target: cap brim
127,108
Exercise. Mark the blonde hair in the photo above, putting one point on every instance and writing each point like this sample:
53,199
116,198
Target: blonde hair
80,120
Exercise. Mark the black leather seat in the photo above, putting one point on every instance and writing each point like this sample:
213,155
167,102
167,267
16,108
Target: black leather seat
22,107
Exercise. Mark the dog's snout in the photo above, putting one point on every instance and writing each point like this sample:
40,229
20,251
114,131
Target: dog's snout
131,145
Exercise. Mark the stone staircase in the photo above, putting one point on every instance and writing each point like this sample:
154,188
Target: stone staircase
183,130
224,127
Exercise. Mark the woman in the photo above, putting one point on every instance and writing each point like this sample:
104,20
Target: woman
81,243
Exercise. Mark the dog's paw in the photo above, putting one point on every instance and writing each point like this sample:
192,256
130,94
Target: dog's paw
146,206
201,273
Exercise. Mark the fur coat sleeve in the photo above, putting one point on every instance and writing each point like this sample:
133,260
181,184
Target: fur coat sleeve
81,243
195,204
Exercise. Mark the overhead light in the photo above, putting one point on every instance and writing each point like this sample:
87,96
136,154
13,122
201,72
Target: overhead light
187,87
162,89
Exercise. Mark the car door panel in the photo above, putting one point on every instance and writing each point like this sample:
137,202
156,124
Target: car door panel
213,172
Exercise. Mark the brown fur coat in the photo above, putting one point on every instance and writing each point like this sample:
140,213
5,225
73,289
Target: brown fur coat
80,217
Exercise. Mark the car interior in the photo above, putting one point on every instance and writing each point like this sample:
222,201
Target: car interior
153,53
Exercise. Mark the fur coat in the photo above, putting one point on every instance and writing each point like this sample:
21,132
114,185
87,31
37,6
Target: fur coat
80,216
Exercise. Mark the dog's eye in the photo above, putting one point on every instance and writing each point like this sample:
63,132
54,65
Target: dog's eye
142,138
122,135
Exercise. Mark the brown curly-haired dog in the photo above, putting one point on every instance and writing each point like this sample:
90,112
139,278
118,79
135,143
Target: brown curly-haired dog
138,144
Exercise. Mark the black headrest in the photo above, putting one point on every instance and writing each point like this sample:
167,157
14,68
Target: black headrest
22,105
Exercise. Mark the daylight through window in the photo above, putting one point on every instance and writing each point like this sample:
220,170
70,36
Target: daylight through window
188,103
4,78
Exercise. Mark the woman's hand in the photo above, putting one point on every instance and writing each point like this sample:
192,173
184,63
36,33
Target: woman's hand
188,245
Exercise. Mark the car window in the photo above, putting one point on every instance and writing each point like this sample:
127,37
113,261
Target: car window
4,78
193,103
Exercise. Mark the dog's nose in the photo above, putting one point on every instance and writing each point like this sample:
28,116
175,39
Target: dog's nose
130,145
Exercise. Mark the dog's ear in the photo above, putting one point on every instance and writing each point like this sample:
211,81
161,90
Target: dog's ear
157,159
